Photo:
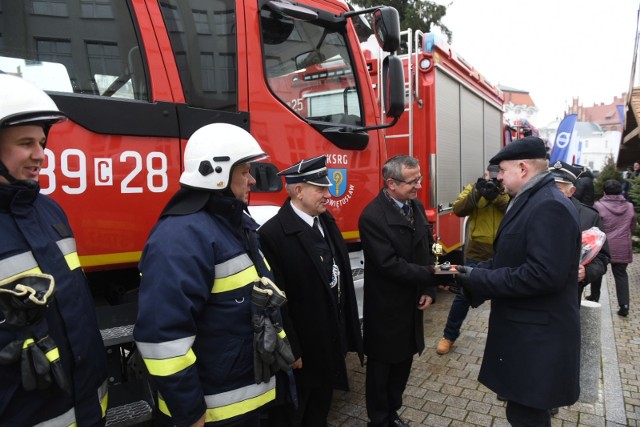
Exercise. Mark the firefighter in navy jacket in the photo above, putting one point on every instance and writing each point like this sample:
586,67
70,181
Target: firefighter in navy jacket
37,243
194,327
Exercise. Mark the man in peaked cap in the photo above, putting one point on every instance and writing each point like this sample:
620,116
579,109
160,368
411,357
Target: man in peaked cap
312,171
310,262
532,355
566,177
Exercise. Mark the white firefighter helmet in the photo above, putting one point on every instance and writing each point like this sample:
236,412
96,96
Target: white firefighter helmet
213,151
24,103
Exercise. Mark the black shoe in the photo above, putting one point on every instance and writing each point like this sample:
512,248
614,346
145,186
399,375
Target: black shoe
592,298
501,398
397,422
624,311
553,411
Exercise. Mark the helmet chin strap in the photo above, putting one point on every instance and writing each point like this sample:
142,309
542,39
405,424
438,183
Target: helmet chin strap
4,172
27,183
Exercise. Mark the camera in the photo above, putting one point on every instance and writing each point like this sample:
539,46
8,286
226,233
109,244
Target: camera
491,185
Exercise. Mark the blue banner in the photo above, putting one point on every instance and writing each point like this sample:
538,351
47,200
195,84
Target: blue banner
565,146
620,109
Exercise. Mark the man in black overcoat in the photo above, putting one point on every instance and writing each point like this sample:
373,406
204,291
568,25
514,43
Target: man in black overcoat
398,286
532,354
310,262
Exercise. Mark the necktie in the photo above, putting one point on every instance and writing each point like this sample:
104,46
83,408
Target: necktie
316,225
405,209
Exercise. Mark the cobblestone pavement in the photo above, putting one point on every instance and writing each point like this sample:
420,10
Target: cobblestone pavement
444,391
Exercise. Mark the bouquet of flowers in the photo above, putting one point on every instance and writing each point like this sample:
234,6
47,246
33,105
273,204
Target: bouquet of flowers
592,241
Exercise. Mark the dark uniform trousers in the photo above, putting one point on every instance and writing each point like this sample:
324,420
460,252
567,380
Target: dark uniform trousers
524,416
385,383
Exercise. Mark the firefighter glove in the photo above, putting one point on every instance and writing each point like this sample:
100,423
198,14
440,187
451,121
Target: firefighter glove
40,364
24,299
272,351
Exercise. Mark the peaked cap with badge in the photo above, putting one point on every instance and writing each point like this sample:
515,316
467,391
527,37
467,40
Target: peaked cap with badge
530,147
312,171
564,172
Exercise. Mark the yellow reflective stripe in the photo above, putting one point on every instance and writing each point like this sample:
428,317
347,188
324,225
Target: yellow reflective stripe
103,397
68,248
103,405
235,281
282,334
241,406
170,366
72,260
247,399
165,349
162,406
26,342
53,354
265,261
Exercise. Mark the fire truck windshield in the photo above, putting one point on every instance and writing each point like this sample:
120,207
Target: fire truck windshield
309,68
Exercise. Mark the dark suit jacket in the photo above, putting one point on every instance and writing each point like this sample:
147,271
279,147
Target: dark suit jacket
397,260
532,355
310,315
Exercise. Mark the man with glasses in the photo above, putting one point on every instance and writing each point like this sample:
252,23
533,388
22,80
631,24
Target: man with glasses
532,354
398,286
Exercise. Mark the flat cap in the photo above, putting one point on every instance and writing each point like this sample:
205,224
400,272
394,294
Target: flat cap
530,147
312,171
564,172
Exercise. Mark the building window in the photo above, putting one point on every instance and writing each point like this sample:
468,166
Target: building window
224,22
50,7
201,21
97,9
172,18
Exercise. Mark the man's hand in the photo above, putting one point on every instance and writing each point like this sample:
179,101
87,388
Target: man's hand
424,302
582,273
200,422
297,364
463,278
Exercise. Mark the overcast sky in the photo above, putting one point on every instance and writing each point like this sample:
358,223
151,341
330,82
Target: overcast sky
554,49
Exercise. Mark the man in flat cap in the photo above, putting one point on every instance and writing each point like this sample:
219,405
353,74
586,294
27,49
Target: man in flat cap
532,354
310,262
398,286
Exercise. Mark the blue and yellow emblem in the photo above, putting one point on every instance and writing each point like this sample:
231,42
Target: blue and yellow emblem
338,178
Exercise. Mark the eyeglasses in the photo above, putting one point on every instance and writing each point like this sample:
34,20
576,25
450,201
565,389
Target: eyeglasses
413,182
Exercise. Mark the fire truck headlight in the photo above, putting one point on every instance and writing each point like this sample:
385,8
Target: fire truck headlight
425,63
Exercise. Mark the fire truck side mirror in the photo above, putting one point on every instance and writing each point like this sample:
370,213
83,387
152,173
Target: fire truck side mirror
393,84
386,27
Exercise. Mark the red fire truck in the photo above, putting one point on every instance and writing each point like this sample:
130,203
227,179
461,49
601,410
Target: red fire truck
453,123
138,77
